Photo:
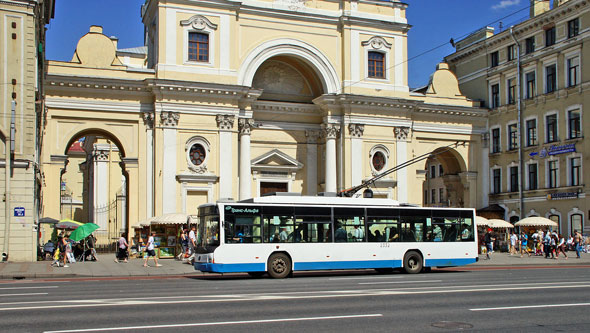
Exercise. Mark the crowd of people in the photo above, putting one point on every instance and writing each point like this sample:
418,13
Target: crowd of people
547,243
65,251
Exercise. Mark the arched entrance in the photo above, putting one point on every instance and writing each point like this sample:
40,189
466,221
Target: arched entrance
444,186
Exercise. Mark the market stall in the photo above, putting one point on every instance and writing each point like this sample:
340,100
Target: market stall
167,228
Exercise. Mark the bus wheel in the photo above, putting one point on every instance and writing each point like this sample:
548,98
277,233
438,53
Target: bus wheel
412,262
279,266
256,274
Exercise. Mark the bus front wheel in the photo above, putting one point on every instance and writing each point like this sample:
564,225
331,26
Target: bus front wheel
279,266
412,262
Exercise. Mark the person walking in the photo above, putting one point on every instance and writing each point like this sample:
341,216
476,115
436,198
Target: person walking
192,243
561,247
150,251
489,240
513,240
577,243
122,248
524,241
183,244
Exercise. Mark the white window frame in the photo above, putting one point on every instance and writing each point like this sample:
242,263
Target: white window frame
508,136
545,65
545,133
527,183
525,130
555,212
569,55
378,44
187,147
574,211
382,149
508,90
547,171
495,167
524,83
569,159
567,122
199,24
509,181
492,138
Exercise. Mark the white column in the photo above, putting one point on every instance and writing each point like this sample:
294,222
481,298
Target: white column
101,187
401,136
148,118
312,162
245,126
356,153
225,124
169,120
331,132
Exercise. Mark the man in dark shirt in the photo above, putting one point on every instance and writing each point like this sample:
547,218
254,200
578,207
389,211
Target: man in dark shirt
488,240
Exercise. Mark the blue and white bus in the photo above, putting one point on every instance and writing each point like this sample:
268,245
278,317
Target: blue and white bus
281,234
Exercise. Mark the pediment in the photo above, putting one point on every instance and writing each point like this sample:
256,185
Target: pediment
275,160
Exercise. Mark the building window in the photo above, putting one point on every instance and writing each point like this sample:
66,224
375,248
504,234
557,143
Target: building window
514,179
551,123
433,196
432,171
198,47
378,161
573,71
494,59
512,136
550,78
576,222
197,151
530,85
495,96
573,120
511,91
533,185
555,218
376,65
440,170
573,28
531,132
529,45
496,181
425,197
441,195
550,36
511,52
495,140
575,171
197,154
553,168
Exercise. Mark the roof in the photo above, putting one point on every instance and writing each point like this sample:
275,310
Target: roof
134,50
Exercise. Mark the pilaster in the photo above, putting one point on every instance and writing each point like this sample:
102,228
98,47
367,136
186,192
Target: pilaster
225,124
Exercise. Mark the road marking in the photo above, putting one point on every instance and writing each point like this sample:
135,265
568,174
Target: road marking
400,282
241,322
41,287
530,306
366,278
6,295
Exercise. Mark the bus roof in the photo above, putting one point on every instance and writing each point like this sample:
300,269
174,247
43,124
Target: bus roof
319,200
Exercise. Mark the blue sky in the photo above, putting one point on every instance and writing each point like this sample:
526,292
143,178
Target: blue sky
434,23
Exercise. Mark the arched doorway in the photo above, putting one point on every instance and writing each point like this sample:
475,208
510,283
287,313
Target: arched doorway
443,186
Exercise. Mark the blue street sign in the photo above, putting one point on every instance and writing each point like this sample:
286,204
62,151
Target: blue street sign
19,211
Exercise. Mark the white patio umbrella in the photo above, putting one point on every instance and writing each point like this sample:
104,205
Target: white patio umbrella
174,218
497,224
481,221
536,221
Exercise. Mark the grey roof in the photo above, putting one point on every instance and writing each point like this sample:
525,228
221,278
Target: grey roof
136,50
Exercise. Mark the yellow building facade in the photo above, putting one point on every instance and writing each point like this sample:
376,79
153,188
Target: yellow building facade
546,56
233,99
22,44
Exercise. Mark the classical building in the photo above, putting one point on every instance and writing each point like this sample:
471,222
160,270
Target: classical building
22,59
534,80
234,99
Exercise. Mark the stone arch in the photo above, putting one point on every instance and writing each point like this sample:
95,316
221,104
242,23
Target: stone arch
451,187
73,136
290,47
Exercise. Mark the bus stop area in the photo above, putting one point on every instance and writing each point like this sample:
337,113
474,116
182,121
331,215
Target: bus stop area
105,267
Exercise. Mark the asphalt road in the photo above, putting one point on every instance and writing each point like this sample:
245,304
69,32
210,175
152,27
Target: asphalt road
524,300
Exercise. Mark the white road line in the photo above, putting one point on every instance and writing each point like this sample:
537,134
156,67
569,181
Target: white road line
40,287
366,278
400,282
6,295
531,306
260,321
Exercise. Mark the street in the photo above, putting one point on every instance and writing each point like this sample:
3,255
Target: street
527,299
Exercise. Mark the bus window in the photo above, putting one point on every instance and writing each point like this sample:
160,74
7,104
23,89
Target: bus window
383,229
412,228
466,229
311,229
350,225
242,229
278,229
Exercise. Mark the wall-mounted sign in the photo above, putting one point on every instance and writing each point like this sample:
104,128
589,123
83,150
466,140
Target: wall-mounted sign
19,211
554,150
562,195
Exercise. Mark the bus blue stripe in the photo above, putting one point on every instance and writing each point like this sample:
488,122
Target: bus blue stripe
230,268
449,262
309,266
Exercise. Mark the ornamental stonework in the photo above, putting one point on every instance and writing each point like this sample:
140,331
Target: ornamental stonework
356,130
330,131
225,122
148,119
401,133
245,125
312,136
169,119
199,22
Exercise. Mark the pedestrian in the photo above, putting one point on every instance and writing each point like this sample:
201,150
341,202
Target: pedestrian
68,250
577,243
192,244
513,240
547,244
122,248
561,247
489,240
524,239
91,242
150,251
183,244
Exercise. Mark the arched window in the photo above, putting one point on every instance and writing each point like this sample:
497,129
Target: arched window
576,223
555,218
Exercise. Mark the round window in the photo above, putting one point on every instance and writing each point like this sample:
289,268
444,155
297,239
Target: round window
378,161
197,154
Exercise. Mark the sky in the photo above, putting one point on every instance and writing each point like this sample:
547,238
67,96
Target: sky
434,23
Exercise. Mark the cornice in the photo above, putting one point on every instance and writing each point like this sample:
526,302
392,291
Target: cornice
285,108
94,83
203,89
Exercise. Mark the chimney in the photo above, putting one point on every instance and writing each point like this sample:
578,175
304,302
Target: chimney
115,41
538,7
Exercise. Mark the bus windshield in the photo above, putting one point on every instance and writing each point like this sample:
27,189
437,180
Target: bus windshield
208,237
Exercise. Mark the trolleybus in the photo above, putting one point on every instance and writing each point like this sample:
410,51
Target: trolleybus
281,234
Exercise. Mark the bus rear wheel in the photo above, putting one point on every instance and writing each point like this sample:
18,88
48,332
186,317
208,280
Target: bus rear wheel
279,266
412,262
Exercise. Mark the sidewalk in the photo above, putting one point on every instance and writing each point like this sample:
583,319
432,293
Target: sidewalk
107,267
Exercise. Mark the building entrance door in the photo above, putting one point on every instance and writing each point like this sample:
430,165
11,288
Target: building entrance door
268,187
